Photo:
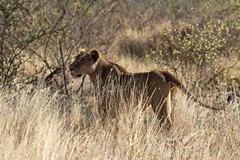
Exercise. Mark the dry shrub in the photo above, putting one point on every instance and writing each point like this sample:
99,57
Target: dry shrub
189,50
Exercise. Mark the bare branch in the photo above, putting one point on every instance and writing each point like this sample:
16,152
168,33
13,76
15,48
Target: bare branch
64,68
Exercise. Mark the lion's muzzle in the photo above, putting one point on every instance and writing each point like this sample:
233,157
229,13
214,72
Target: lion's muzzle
75,75
73,72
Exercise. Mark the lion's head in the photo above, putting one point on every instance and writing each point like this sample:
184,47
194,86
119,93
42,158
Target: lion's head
84,64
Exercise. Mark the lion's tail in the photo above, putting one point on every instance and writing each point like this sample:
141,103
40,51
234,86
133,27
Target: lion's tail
170,78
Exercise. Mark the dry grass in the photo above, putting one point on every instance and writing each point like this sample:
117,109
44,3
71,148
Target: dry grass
45,125
42,124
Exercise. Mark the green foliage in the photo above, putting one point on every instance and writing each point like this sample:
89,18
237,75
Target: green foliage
202,44
194,50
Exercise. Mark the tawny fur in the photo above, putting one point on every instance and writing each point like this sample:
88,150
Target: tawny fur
156,86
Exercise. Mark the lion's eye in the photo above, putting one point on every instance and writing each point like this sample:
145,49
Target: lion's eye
81,60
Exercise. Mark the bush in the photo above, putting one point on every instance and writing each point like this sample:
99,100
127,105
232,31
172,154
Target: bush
189,49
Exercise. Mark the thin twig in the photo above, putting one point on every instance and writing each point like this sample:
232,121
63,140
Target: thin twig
220,72
81,86
64,69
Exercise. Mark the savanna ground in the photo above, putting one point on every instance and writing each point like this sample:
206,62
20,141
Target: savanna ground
197,41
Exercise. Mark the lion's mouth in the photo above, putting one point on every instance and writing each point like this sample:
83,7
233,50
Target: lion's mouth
76,75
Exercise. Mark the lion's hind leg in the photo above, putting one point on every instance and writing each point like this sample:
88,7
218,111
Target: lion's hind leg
168,105
164,111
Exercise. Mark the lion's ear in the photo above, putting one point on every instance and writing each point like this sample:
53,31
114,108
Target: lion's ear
94,55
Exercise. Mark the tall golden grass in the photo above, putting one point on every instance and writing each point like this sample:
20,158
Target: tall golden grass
44,125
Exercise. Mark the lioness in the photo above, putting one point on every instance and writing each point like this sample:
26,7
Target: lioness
55,79
157,86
